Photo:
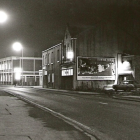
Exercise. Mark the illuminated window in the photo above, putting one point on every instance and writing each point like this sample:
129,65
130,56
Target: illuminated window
70,55
17,72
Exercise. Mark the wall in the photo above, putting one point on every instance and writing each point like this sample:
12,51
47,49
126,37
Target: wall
102,40
136,62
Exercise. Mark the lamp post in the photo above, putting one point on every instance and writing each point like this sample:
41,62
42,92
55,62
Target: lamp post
18,47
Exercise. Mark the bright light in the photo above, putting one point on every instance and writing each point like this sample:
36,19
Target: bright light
3,17
70,55
17,72
126,65
17,46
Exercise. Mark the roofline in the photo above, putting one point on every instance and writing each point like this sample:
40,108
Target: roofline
18,57
51,47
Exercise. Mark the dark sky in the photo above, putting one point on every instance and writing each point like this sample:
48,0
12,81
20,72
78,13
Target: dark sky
40,24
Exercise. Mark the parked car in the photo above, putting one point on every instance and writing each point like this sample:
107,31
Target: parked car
108,88
127,85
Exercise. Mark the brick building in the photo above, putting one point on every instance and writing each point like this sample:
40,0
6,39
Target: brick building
91,57
51,66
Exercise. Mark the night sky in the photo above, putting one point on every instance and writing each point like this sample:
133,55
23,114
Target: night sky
40,24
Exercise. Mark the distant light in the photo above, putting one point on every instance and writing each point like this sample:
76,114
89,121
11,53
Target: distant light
17,72
70,55
17,46
3,17
126,65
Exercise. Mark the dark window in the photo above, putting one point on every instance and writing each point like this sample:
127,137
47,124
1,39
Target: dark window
58,55
48,58
52,58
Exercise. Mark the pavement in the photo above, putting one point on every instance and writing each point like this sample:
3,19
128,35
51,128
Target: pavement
22,121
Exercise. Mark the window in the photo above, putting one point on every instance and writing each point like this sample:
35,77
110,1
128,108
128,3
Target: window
58,55
43,60
52,58
48,58
49,78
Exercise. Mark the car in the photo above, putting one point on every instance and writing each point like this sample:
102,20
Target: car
126,85
108,88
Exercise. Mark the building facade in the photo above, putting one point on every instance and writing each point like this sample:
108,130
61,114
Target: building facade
13,71
51,59
93,58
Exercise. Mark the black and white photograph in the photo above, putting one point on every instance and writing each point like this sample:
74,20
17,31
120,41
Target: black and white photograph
69,70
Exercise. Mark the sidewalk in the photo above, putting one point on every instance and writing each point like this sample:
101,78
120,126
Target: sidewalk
71,91
22,121
128,98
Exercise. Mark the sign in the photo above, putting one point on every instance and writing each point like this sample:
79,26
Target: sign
67,72
95,68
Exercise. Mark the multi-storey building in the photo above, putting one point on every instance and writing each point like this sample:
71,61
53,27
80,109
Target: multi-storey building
94,57
12,70
51,66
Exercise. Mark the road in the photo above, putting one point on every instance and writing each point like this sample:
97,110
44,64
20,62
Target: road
20,120
106,117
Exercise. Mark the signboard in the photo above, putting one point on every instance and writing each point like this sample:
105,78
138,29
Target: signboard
67,72
95,68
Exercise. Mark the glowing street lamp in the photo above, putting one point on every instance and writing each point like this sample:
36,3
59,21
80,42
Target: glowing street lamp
3,17
18,47
70,55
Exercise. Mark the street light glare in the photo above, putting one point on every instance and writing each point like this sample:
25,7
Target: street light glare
3,16
17,46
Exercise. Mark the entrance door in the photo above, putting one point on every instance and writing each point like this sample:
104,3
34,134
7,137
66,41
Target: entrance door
67,82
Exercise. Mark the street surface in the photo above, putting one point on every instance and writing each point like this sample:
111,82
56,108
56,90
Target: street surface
108,118
22,121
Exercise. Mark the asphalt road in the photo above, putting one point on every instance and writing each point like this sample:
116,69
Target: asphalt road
108,118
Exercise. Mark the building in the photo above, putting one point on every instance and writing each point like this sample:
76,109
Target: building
51,67
11,70
92,58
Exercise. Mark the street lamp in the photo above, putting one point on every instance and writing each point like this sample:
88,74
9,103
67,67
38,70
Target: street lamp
3,17
70,55
18,47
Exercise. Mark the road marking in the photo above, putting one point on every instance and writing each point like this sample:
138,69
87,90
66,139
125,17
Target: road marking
103,103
